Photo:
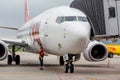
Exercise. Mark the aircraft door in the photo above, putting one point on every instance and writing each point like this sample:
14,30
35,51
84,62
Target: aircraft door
46,28
47,22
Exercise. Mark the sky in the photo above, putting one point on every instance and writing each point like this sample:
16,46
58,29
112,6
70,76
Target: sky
12,13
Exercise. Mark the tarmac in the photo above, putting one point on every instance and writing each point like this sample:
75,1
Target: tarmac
108,69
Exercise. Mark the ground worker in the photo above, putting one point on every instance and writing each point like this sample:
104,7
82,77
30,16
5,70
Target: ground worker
41,55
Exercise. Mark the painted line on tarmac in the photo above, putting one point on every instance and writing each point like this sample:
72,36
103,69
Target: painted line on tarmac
57,72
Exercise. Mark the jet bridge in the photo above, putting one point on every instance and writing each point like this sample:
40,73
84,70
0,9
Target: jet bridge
103,14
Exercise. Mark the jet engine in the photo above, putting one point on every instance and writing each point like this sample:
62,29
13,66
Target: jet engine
96,51
3,50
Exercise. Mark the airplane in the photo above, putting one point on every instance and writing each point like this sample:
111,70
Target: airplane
61,31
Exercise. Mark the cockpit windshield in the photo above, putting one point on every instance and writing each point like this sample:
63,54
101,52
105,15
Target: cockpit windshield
62,19
84,19
70,18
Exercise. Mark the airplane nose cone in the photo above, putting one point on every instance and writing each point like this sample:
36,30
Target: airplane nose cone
80,31
78,36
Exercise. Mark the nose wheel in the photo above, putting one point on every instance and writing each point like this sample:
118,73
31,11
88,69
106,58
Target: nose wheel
66,68
69,66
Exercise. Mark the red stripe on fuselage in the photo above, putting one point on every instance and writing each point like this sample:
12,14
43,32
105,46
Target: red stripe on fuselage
34,33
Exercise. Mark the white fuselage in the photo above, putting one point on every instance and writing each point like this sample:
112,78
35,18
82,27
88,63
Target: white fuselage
60,30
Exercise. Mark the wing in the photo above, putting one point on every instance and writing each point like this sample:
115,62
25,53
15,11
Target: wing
11,28
15,42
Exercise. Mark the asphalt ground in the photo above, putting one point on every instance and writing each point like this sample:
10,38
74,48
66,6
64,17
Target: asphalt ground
108,69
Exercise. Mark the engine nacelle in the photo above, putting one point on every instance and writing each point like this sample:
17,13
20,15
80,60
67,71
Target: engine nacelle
3,50
96,51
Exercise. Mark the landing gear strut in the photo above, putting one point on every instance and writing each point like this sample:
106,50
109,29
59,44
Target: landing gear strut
61,60
69,63
13,57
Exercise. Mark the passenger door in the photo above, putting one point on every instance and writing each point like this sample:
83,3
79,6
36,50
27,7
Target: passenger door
46,28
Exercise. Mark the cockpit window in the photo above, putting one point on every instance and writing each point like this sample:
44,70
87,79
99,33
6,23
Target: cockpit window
84,19
60,19
70,18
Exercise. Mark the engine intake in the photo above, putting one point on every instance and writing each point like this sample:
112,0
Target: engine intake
96,51
3,50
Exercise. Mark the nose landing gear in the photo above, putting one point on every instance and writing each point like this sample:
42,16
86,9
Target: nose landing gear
69,63
69,66
61,60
